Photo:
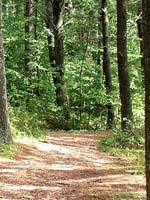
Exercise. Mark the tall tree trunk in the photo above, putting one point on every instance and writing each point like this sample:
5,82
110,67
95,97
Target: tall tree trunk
49,25
99,33
124,82
17,7
146,50
140,34
29,27
59,53
54,21
35,21
37,90
106,63
5,132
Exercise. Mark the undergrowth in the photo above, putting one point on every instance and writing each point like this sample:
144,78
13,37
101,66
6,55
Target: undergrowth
25,123
129,195
120,143
124,140
8,151
122,196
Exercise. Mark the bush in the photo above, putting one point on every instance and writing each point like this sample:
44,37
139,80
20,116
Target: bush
24,123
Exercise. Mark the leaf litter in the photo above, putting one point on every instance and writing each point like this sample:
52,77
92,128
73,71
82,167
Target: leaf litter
68,166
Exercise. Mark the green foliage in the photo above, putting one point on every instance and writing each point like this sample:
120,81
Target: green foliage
121,139
131,149
129,195
84,77
55,119
129,139
8,151
121,196
25,123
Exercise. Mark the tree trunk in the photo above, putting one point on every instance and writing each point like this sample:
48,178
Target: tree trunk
124,82
54,21
146,50
37,90
140,34
99,33
106,63
29,26
5,132
49,25
59,53
17,7
29,34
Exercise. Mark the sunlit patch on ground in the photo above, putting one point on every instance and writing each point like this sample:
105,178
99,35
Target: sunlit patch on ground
67,166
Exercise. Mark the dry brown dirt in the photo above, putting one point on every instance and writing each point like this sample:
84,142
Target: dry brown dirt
68,167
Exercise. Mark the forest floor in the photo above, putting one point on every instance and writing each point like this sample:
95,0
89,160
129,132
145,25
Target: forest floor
69,166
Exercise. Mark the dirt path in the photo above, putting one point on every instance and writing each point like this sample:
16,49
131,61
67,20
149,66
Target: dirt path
67,167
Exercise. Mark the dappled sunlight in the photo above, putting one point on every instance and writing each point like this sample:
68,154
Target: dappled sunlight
52,147
65,166
10,187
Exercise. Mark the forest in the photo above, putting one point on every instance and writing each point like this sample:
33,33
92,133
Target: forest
75,67
68,79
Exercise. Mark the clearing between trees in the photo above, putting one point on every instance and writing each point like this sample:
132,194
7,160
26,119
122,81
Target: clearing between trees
69,166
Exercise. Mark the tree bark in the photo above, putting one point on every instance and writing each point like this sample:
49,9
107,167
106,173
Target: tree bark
5,132
17,7
37,90
54,21
30,36
124,82
106,63
99,44
146,51
59,53
29,26
140,34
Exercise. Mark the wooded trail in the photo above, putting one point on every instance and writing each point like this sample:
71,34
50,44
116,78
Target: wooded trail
68,166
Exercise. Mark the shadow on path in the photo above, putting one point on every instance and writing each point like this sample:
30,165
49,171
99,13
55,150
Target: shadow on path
68,166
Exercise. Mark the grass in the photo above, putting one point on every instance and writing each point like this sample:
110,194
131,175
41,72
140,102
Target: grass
25,123
122,143
112,146
129,195
120,196
8,151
